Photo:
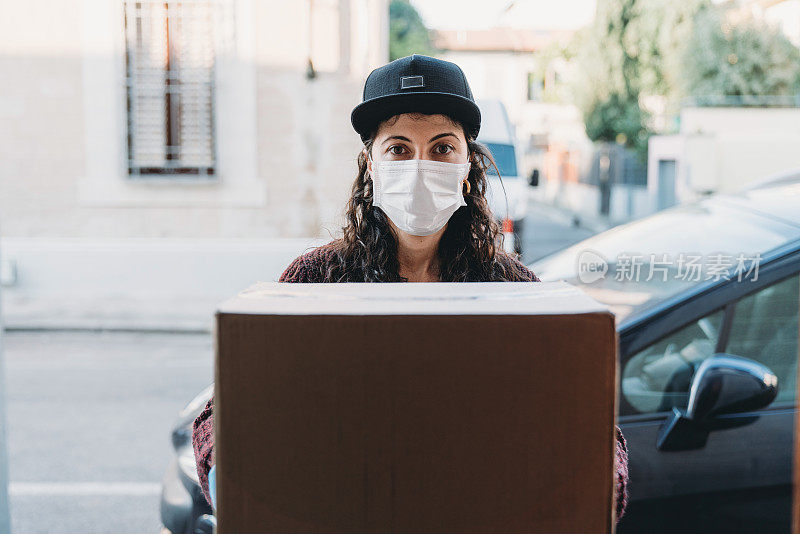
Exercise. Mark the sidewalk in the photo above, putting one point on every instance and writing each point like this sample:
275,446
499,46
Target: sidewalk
133,284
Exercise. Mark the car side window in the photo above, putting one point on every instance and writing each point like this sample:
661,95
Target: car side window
765,329
658,377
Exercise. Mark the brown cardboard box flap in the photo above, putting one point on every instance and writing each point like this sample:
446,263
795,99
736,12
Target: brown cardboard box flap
437,407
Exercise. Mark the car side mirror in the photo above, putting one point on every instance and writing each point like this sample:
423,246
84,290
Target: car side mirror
722,384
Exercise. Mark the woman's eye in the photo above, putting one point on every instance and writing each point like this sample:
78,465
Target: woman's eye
444,149
396,150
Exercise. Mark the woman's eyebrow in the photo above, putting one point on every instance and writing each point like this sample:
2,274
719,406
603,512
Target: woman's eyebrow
399,137
432,139
435,137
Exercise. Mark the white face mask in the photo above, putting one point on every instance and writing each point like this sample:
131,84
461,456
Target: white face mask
419,195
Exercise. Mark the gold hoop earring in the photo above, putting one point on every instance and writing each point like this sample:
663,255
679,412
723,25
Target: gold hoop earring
466,181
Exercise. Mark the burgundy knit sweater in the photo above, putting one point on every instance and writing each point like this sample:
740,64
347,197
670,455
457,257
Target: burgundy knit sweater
308,268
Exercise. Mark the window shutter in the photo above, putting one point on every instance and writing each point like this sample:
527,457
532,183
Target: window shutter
170,87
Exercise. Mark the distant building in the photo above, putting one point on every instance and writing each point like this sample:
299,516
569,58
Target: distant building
501,63
722,146
720,149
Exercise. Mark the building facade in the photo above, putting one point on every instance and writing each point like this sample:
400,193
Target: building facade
212,118
156,157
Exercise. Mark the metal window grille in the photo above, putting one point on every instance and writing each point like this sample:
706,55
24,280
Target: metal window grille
170,87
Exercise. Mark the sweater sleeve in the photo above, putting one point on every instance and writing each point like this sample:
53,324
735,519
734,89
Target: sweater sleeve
521,272
621,483
303,269
533,277
293,272
203,445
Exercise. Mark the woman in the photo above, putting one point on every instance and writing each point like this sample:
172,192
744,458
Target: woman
417,211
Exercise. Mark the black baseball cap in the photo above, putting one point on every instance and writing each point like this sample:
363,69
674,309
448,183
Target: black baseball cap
416,83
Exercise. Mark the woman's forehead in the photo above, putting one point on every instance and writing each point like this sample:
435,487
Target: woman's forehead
413,124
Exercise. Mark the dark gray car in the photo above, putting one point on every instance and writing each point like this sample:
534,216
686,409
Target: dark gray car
708,367
727,340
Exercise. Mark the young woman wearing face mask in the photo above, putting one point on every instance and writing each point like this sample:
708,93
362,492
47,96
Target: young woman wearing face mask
417,211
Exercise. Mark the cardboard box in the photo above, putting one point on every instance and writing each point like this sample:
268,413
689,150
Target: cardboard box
430,407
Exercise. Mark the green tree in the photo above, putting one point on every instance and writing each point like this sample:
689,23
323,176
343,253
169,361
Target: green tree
674,37
634,49
748,59
615,64
407,33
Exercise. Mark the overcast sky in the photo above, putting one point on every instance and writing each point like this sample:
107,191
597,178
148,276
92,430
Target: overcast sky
536,14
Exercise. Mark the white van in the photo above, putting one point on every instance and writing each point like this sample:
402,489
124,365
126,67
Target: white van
497,133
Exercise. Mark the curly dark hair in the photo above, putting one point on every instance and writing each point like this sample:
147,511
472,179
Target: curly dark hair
470,250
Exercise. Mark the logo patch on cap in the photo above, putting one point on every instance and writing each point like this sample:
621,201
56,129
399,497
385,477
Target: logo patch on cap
409,82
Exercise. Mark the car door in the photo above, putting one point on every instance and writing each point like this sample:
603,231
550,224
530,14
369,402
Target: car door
740,481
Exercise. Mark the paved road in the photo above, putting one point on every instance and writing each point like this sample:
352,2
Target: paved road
547,230
90,414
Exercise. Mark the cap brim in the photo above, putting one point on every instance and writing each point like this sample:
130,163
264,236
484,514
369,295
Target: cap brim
367,115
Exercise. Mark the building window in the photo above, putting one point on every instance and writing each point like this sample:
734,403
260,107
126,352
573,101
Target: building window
169,57
535,86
